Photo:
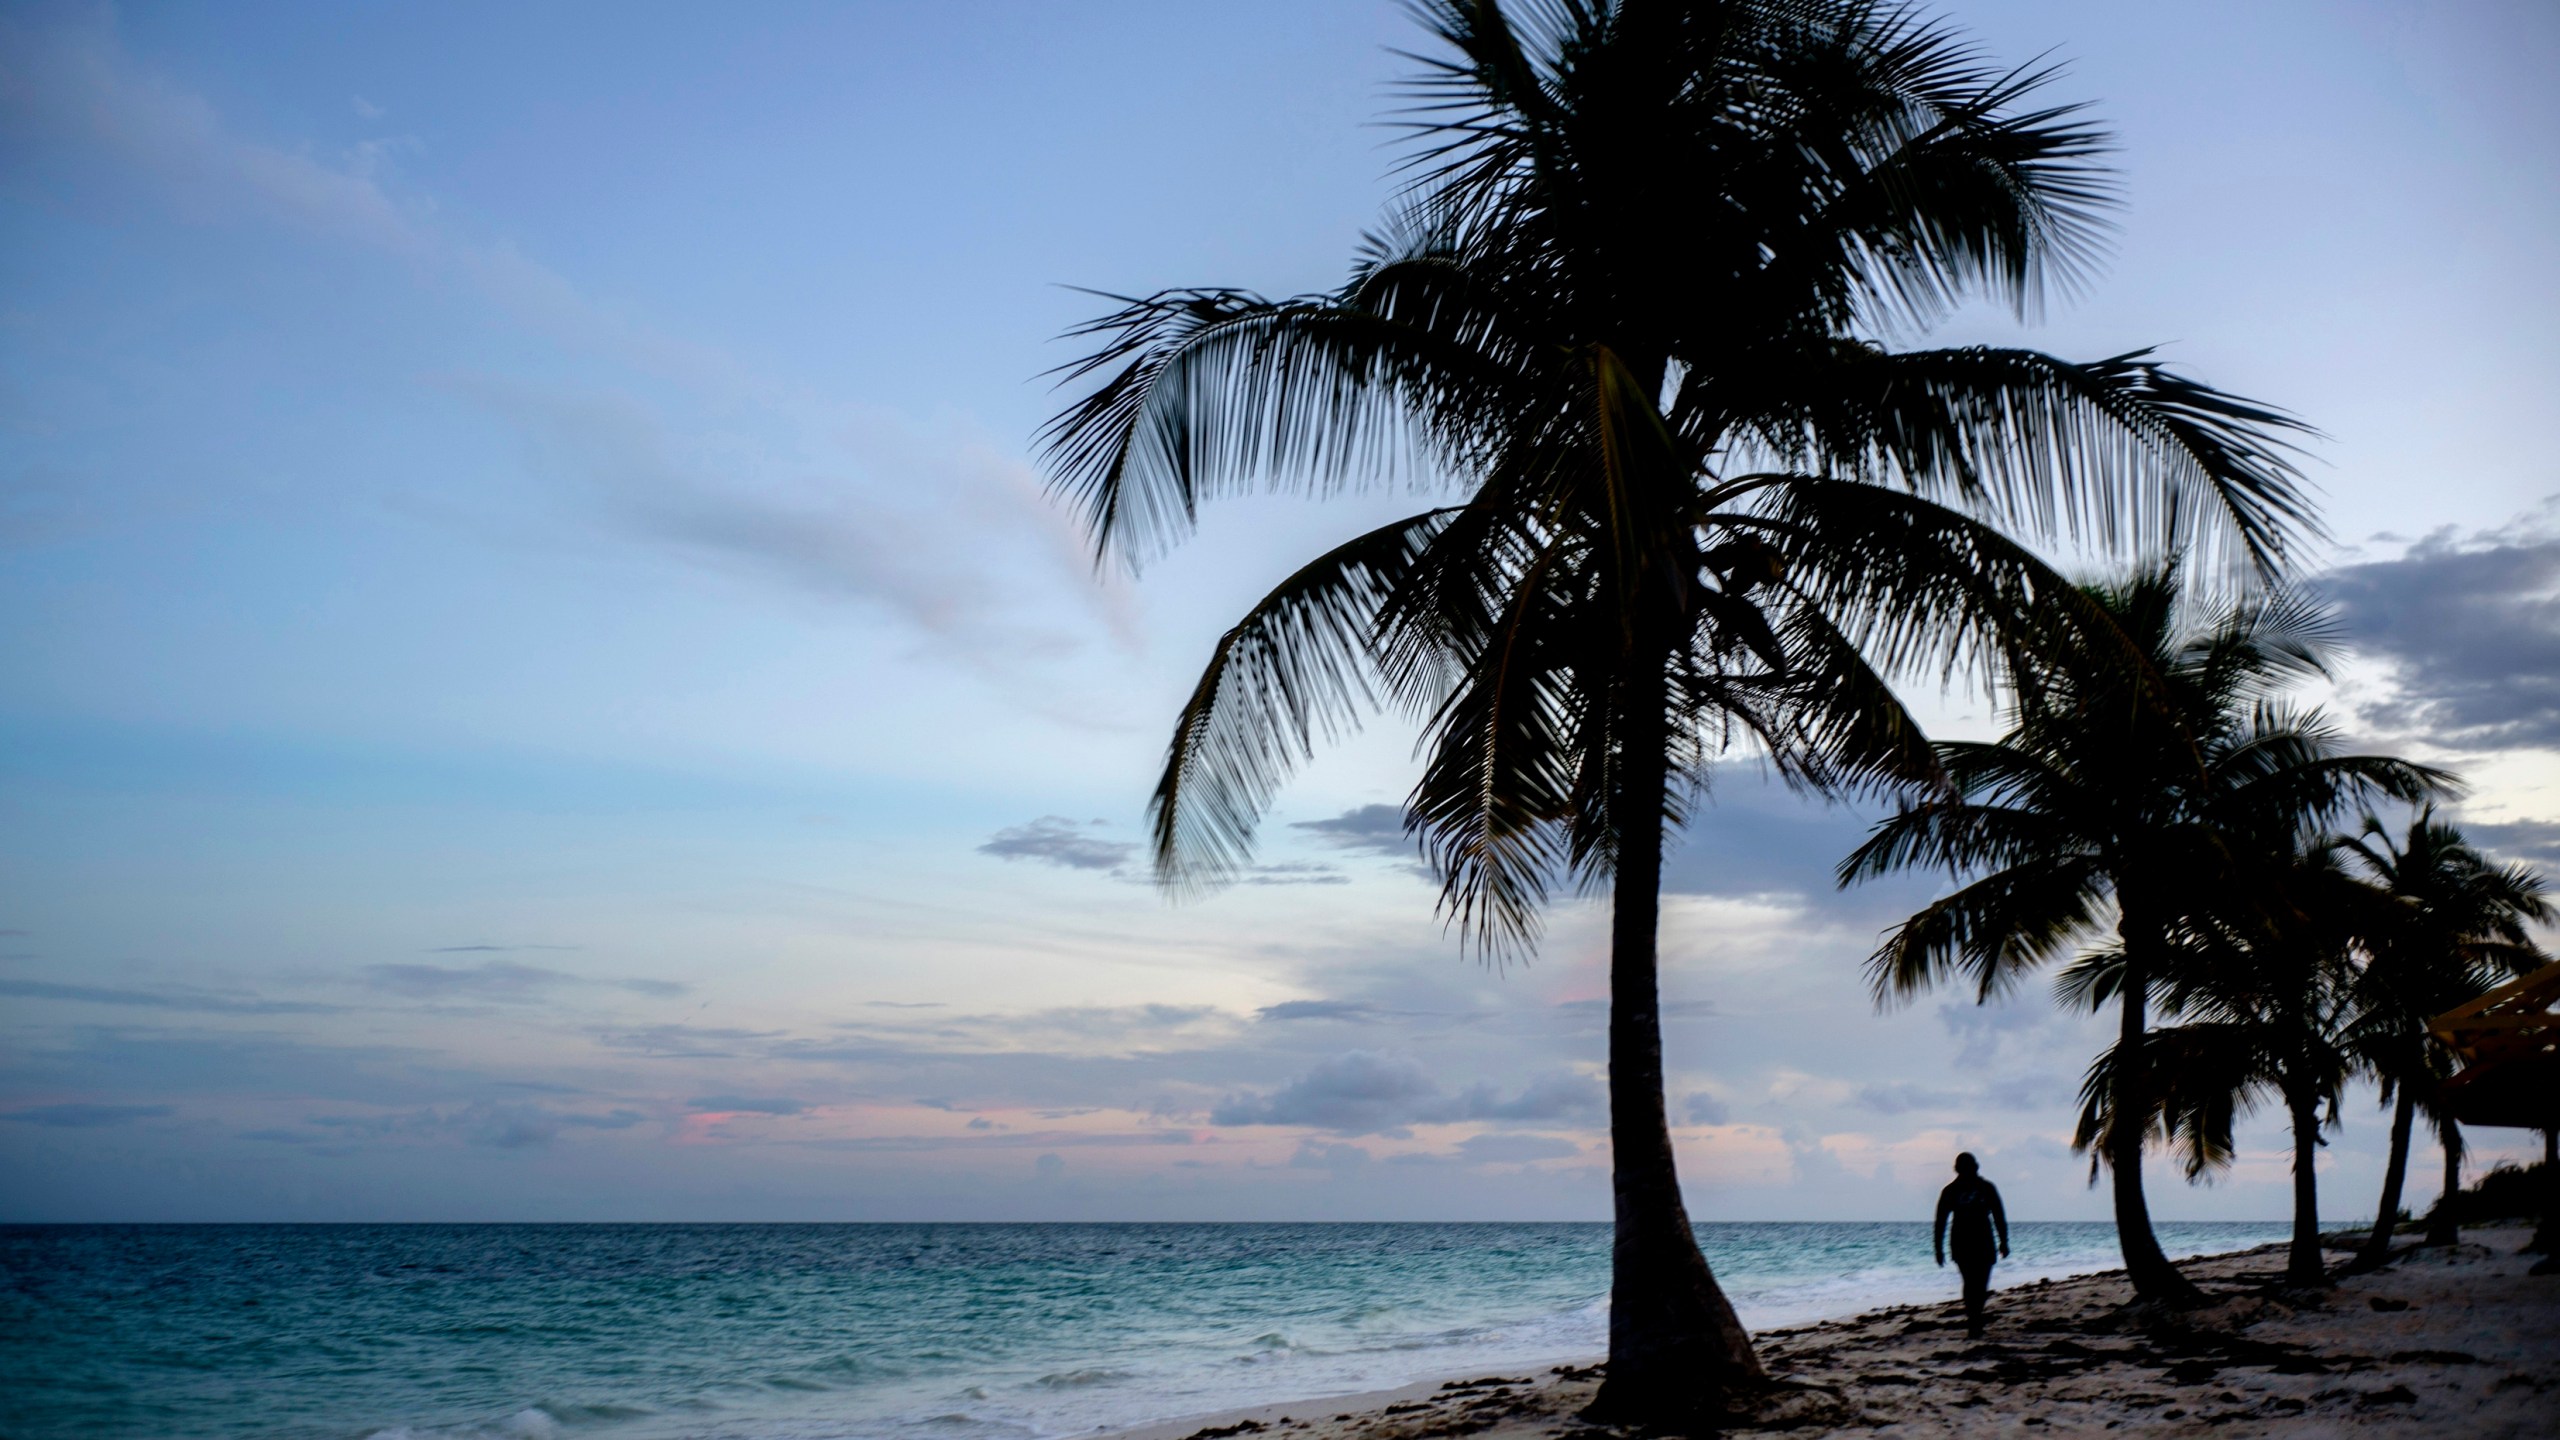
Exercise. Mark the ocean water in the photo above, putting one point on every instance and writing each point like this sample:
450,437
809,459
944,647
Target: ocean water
878,1332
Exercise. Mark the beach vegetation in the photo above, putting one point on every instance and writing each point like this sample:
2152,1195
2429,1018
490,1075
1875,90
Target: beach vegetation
2456,926
2120,830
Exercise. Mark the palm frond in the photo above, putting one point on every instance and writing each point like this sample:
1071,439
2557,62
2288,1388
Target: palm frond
1297,667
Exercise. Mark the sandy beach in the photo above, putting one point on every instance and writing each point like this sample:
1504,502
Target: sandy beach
2443,1342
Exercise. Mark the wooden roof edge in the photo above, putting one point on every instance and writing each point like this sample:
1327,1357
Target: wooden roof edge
2542,985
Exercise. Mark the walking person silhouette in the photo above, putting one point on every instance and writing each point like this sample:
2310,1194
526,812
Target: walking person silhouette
1968,1209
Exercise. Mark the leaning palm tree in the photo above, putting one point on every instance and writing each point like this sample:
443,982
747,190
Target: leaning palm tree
1624,320
2125,794
2457,925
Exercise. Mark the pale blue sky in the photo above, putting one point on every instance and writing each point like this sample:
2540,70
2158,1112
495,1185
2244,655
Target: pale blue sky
536,679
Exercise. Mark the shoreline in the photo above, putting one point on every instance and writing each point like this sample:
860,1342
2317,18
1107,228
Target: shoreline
2438,1339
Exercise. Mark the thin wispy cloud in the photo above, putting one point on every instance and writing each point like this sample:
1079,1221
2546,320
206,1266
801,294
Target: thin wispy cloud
947,558
84,1116
498,980
179,998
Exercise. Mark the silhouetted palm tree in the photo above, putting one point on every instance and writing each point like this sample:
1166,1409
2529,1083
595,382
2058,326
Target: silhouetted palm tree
2456,927
2263,974
1624,317
2102,824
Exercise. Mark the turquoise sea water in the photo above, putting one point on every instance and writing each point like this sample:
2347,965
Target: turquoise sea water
885,1332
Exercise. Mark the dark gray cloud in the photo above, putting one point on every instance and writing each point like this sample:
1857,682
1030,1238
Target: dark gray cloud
520,1127
1057,840
750,1104
1752,836
85,1117
496,1124
2535,842
1378,829
174,998
2472,628
1367,1093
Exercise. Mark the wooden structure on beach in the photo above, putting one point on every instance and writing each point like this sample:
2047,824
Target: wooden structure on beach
2509,1041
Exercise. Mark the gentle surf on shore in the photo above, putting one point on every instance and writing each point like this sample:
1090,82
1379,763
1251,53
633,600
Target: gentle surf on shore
891,1331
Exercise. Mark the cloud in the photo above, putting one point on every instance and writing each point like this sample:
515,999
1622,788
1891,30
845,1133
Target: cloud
493,949
497,980
934,525
1106,1020
968,521
1338,1158
1557,1095
747,1104
1515,1149
177,998
2535,842
1057,840
1378,829
1901,1097
2471,628
1294,873
684,1042
1755,837
1356,1094
521,1127
1985,1029
1317,1010
73,82
1597,1010
76,1116
1706,1109
1366,1093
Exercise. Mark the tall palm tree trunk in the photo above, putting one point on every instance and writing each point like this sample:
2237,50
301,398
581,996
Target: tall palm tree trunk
1675,1345
2146,1265
2302,1261
2395,1174
2442,1227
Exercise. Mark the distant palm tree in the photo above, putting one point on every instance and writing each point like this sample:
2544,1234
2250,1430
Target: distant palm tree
2105,820
2455,929
2264,973
1624,319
